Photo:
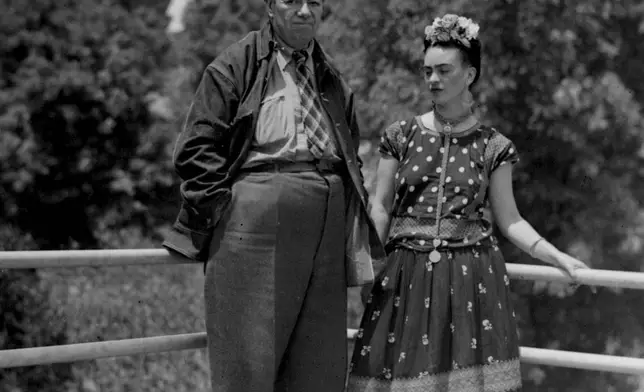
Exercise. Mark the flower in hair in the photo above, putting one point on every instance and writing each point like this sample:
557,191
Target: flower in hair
452,28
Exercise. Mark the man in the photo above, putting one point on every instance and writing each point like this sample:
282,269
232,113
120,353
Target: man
274,202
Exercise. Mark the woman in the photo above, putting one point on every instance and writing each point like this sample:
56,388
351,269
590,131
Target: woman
439,316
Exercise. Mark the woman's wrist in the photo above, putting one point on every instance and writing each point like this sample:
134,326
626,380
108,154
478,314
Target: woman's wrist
533,247
543,250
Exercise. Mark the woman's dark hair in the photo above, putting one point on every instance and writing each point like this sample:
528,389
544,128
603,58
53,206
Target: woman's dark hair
471,55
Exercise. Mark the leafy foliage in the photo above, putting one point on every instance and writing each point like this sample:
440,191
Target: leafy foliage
75,125
79,155
28,320
213,25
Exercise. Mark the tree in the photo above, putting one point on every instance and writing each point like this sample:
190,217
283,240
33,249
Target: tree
75,125
213,25
81,150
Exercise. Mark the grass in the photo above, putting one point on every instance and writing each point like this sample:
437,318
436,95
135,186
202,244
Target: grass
131,302
140,301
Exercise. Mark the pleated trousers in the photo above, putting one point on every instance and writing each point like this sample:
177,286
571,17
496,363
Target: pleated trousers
275,287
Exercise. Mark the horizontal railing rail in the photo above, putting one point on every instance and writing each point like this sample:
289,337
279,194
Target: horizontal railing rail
89,258
97,350
121,257
158,344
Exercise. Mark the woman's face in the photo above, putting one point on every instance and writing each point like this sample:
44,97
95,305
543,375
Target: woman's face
446,74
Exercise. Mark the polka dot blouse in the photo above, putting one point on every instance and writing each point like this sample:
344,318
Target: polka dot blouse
442,181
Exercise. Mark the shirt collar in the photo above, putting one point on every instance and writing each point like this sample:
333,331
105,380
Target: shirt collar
285,55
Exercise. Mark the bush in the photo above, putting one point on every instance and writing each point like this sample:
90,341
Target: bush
27,319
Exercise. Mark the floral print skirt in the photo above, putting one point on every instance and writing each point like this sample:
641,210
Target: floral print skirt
445,326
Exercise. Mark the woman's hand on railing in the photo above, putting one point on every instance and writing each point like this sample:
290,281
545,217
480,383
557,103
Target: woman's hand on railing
570,266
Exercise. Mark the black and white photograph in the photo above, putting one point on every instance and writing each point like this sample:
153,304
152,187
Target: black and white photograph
321,196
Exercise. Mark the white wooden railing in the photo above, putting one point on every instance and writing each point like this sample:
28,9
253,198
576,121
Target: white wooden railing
157,344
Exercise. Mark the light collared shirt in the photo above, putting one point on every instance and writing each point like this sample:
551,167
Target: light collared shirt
278,136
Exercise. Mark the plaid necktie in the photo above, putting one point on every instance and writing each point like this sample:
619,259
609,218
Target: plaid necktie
310,114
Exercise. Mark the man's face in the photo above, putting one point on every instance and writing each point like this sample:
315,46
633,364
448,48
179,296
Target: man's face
295,21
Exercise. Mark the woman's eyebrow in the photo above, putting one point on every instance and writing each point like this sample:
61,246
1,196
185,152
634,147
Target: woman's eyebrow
436,66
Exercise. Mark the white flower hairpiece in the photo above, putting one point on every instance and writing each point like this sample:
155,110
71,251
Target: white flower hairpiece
452,28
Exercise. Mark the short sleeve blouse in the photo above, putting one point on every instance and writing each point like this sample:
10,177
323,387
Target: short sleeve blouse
450,171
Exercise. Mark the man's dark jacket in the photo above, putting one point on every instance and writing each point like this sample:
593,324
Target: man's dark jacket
220,127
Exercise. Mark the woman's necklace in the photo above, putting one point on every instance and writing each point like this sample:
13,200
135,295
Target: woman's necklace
449,124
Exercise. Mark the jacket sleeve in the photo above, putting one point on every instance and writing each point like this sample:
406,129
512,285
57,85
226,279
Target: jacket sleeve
201,152
201,161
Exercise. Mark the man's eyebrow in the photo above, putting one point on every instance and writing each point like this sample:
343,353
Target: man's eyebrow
435,66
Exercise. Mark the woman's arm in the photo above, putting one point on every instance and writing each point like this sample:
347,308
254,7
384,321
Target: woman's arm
382,201
518,230
380,207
